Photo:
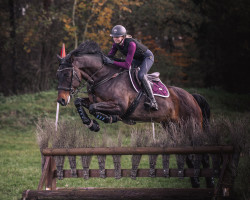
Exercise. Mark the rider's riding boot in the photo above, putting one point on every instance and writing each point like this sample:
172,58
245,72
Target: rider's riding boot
147,88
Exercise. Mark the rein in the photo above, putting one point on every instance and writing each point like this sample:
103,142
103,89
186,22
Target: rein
93,85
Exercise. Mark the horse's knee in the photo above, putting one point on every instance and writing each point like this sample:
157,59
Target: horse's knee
94,126
77,102
92,109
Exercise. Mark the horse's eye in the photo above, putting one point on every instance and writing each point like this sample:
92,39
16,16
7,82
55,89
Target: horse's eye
66,75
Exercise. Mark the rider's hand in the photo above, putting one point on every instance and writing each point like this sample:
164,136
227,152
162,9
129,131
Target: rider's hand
107,60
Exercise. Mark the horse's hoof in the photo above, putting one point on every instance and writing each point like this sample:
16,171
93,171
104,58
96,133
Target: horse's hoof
95,127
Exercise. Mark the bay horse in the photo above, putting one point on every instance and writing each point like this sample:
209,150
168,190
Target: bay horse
110,93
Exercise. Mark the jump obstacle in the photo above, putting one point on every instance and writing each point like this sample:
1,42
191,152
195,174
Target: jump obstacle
53,170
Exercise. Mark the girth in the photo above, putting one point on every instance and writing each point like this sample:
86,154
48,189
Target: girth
132,106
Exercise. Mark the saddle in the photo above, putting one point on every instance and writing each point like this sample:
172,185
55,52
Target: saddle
158,88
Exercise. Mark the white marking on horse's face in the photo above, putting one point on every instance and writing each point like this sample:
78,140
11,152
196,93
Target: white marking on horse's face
68,99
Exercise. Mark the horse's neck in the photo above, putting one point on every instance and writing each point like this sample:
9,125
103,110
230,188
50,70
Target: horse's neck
94,67
105,72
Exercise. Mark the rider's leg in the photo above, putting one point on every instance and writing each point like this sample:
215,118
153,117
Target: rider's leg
147,88
142,75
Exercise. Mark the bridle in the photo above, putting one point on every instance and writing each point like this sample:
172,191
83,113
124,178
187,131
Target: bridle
70,89
73,91
92,85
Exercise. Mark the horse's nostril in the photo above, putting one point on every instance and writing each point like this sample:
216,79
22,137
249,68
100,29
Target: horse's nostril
62,102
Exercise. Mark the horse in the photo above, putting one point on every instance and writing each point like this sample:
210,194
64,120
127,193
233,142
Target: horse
110,93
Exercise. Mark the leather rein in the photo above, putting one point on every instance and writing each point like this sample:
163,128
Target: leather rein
92,85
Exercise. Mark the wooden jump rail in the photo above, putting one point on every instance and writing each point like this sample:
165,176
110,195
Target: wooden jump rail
49,175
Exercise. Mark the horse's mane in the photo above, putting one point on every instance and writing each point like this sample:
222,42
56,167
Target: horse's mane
87,47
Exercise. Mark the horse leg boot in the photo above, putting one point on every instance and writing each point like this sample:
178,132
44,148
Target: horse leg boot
106,118
194,180
147,88
101,116
205,163
91,124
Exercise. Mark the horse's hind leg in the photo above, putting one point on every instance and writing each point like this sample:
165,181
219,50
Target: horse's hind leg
205,163
194,180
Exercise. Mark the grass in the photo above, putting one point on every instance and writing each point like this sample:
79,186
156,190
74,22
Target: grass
20,161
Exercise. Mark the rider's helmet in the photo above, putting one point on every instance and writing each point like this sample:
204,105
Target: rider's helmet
118,31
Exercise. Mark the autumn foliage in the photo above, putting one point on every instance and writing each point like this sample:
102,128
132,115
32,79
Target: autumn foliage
194,42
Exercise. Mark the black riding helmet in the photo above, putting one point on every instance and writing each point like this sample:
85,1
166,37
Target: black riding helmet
118,31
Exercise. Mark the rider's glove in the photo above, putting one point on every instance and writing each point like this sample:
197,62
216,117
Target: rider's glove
107,60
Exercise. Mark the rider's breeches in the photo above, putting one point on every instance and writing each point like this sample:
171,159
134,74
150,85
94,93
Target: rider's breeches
146,64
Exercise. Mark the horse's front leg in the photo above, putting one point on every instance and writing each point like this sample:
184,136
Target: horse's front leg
91,124
106,118
108,112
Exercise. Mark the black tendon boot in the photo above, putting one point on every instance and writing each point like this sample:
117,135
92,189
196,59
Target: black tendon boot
147,88
91,124
106,118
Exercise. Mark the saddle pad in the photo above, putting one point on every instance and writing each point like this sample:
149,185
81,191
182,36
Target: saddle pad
158,88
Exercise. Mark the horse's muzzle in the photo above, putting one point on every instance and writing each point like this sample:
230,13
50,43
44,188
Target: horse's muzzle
62,102
63,99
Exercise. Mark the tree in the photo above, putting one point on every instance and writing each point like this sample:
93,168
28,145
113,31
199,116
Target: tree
224,44
94,20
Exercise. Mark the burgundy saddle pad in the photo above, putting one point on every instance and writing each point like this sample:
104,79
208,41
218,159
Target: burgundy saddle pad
158,88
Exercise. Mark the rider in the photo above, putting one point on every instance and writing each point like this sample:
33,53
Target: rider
136,52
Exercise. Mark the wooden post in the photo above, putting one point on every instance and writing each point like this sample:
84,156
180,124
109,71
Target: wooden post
44,173
51,180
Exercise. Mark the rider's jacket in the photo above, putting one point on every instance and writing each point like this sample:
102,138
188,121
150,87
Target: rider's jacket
140,48
132,49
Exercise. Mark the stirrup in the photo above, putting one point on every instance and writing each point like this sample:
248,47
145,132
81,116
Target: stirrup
152,105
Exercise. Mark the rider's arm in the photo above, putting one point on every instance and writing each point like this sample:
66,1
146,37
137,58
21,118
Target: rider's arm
129,58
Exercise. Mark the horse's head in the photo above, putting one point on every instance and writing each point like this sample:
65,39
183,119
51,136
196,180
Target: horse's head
85,62
69,79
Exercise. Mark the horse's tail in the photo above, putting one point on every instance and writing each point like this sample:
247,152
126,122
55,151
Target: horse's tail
205,108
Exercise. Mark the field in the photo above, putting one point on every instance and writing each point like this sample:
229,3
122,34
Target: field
20,161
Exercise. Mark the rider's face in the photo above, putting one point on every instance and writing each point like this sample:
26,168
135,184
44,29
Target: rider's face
118,40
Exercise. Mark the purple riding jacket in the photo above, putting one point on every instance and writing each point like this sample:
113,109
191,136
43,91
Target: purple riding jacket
129,58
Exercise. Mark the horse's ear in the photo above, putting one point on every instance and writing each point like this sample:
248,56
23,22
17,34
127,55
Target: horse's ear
58,58
68,58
